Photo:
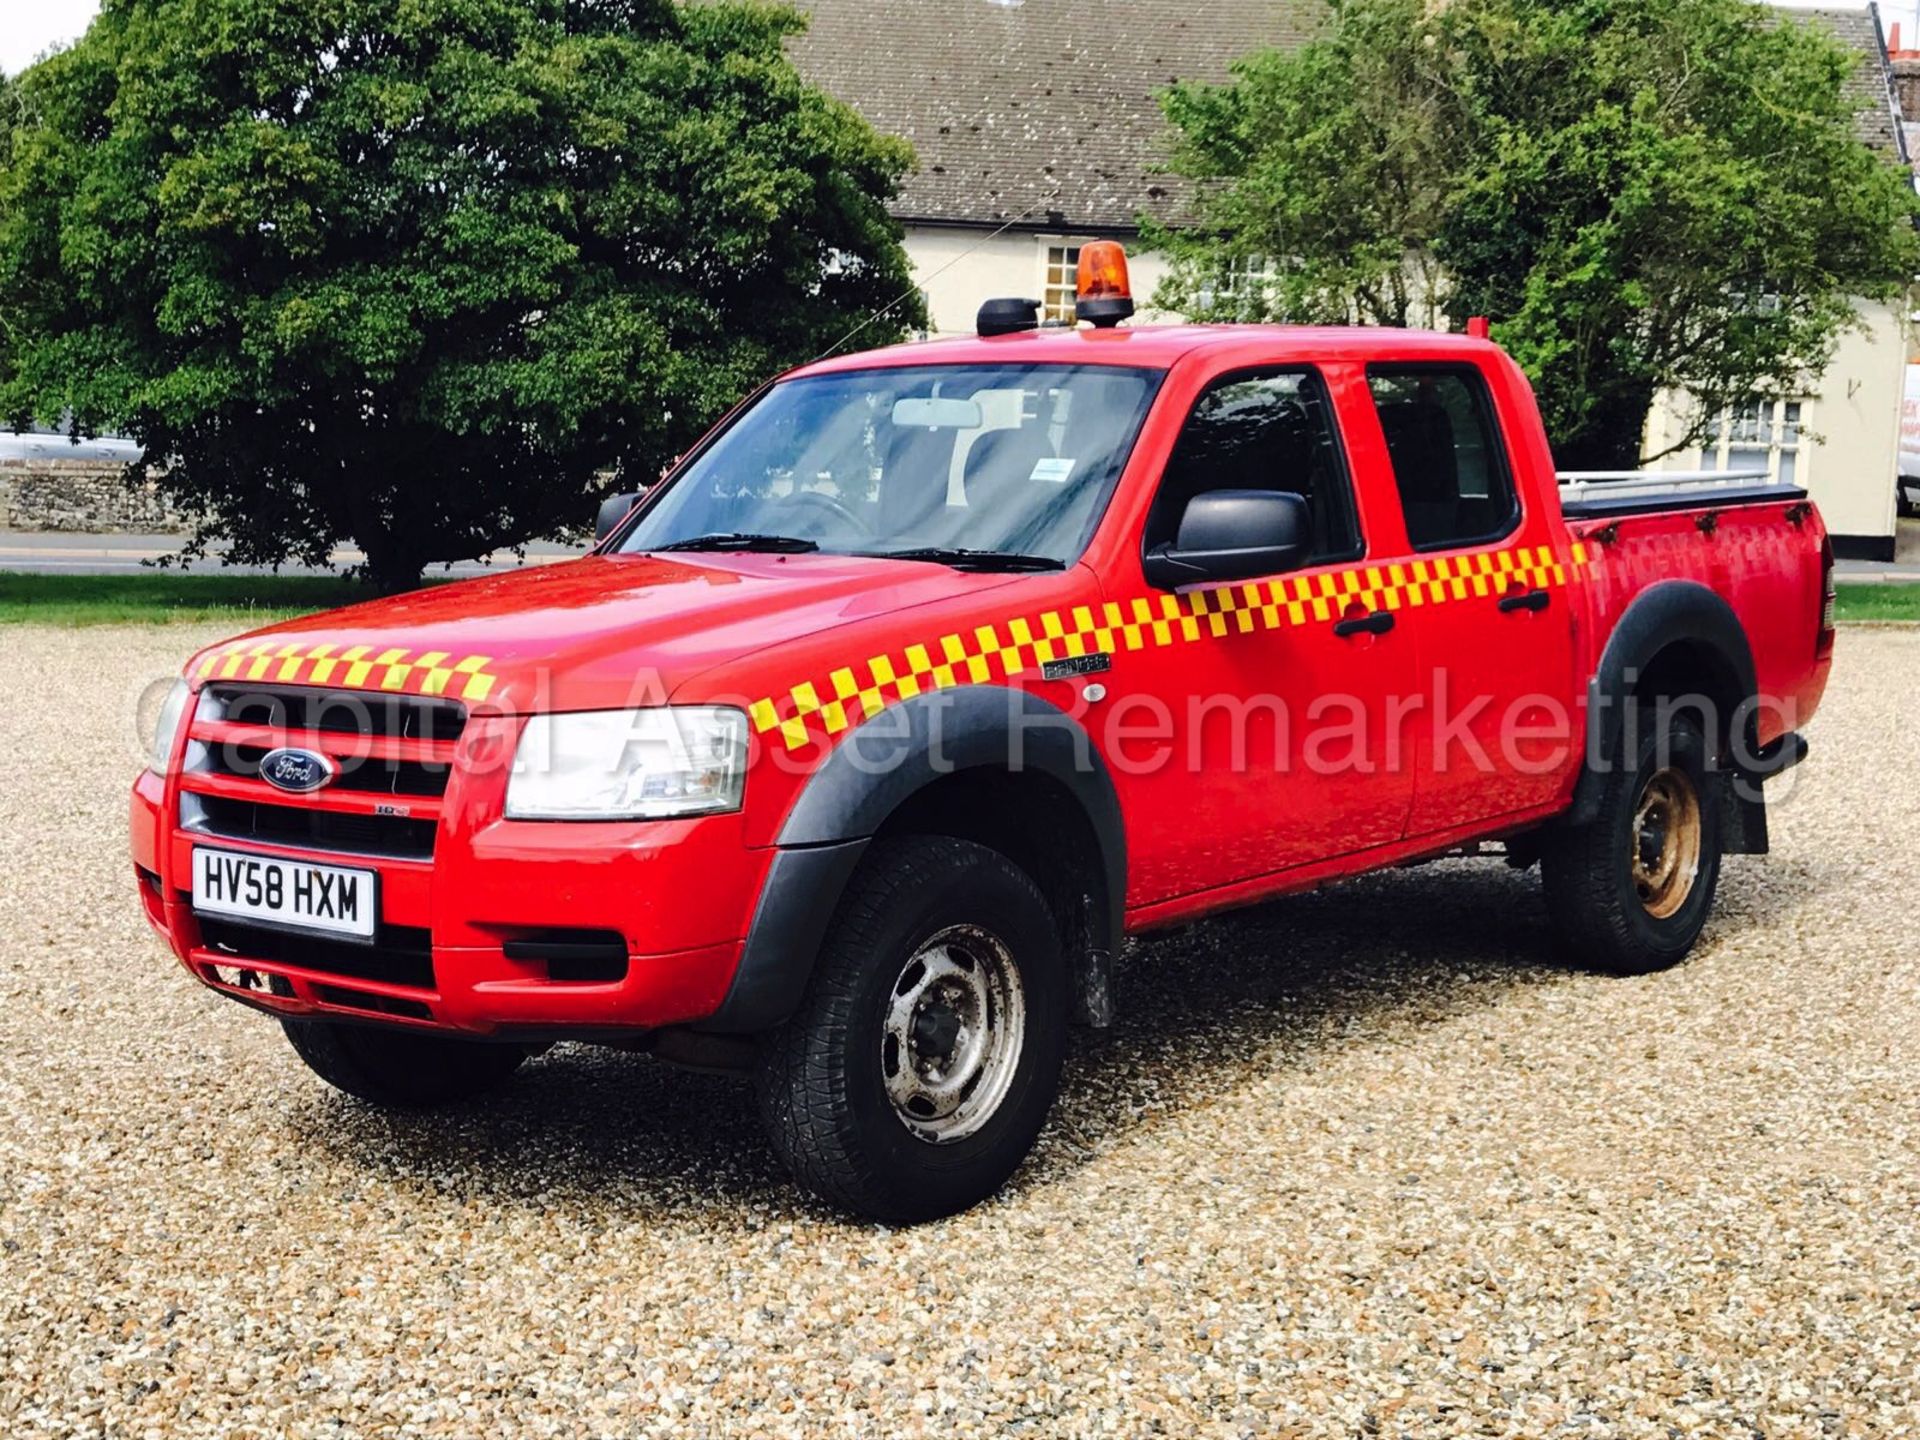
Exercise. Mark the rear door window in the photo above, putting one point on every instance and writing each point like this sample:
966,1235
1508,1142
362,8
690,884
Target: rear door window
1455,485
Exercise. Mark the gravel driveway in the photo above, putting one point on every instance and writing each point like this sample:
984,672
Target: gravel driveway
1355,1163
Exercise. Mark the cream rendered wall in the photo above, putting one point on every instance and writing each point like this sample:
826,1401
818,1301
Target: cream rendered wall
1852,420
957,268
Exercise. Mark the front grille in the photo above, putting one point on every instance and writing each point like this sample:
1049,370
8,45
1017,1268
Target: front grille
304,827
395,747
402,955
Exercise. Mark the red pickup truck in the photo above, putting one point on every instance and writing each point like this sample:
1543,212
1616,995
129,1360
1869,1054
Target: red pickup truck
857,744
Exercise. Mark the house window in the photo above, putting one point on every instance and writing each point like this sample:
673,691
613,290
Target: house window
1238,291
1063,268
1757,434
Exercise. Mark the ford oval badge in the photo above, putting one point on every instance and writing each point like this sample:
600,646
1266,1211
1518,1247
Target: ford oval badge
298,771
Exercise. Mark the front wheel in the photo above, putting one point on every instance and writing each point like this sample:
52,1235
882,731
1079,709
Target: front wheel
1630,892
926,1054
401,1068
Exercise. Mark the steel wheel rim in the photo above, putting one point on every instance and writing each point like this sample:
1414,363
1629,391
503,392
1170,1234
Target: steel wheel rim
1665,842
951,1039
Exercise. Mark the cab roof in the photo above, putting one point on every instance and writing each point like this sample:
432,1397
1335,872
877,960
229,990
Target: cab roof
1159,347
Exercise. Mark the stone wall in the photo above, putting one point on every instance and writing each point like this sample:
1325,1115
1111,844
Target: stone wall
90,496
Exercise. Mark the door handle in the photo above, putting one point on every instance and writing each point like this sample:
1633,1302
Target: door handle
1375,622
1524,600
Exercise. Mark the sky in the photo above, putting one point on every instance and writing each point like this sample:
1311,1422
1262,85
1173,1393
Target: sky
28,27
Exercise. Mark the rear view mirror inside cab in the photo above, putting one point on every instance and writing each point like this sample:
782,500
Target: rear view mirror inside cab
936,414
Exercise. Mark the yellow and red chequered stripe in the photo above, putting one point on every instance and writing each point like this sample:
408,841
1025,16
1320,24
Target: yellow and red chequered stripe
355,667
1005,649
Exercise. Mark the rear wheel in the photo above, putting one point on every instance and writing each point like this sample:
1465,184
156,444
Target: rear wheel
401,1068
1630,892
926,1054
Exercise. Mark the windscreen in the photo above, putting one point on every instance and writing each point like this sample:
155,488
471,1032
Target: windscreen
1014,459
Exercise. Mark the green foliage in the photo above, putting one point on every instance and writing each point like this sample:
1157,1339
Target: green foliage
426,274
1644,195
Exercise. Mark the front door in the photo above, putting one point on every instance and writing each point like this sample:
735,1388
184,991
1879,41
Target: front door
1247,732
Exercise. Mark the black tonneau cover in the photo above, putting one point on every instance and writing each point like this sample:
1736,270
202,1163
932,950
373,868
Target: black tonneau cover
1608,495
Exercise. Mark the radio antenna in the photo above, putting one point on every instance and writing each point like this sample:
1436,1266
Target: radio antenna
908,294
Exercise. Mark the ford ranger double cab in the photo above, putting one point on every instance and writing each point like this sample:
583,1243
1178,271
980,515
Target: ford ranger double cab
856,745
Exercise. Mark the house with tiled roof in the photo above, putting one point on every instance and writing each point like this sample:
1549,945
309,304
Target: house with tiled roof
1037,127
1035,122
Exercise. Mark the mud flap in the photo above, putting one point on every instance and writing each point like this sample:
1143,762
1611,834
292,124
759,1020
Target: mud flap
1743,814
1743,802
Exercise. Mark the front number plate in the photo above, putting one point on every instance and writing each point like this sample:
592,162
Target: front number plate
291,893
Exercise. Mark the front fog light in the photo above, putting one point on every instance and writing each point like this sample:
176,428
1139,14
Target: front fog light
629,764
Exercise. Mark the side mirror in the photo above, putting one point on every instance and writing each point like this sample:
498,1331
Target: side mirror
1234,535
613,510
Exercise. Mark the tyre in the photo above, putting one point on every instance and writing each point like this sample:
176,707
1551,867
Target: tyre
926,1053
1630,892
400,1068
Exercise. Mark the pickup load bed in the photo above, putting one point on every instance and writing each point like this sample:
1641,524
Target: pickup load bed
859,742
1727,533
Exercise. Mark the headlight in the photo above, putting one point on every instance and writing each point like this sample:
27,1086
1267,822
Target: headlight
172,710
629,764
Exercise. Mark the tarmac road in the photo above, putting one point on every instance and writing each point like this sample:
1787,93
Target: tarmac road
75,554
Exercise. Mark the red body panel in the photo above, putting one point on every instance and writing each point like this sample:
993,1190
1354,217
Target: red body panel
1763,564
774,634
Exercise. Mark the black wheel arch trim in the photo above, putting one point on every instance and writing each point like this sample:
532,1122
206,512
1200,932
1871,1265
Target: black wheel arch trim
797,899
874,770
1667,613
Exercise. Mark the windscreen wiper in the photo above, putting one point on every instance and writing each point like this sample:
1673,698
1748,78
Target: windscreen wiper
961,559
742,540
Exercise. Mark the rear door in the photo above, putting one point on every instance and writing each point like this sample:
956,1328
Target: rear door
1483,597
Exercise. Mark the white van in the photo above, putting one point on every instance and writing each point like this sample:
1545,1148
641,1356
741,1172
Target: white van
1907,482
36,443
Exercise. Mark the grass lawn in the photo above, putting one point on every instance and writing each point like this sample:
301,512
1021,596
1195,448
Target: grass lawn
243,600
1878,602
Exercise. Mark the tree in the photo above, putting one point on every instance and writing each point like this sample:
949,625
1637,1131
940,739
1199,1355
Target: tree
1643,195
427,275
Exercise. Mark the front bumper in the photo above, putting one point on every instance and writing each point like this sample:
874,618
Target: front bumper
459,934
